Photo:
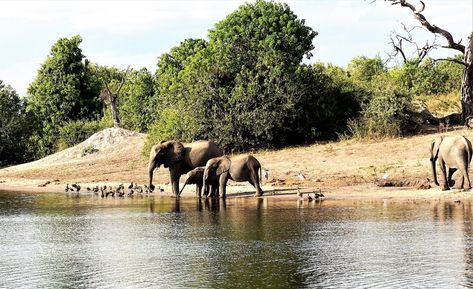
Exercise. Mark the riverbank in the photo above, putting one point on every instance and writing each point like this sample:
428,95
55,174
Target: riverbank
341,170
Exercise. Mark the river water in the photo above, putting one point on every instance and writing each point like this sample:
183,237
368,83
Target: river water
71,241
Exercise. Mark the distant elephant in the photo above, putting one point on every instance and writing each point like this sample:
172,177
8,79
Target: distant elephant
180,158
455,153
238,168
196,176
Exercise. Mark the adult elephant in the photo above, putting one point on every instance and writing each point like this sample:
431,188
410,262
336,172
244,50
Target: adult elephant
454,153
180,158
238,168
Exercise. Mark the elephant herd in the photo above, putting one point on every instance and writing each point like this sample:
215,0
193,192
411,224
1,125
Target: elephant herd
205,165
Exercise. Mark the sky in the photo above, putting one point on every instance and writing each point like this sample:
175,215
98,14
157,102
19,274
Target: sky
136,33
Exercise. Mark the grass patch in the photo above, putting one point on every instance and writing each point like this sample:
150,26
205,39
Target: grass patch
441,105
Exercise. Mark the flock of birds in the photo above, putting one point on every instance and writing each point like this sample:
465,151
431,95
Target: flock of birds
116,191
136,189
316,195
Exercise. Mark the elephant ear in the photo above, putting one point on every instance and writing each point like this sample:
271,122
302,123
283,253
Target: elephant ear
223,166
435,147
176,152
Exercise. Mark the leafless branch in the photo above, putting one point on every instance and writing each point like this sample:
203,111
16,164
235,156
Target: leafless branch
397,41
451,60
397,46
122,80
425,23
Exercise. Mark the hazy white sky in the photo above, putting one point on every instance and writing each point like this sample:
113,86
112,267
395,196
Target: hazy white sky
135,33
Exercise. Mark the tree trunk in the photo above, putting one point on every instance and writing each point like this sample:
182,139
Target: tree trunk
114,108
467,82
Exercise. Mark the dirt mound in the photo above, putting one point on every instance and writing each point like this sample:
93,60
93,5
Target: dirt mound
99,144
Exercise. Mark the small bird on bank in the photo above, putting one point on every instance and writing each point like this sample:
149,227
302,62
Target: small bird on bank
76,186
318,195
265,175
301,176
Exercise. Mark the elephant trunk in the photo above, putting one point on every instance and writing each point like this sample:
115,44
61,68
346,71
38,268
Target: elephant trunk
182,189
206,176
434,172
152,165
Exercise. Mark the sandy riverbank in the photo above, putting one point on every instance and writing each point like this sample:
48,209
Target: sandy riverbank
341,170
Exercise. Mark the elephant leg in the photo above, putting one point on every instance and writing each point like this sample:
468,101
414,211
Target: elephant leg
212,191
175,183
444,175
223,187
254,180
451,171
206,190
464,171
467,177
198,190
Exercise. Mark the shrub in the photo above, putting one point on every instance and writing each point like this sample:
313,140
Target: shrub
165,128
88,150
75,132
386,112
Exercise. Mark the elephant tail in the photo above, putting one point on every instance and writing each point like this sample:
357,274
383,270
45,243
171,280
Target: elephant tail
468,151
260,176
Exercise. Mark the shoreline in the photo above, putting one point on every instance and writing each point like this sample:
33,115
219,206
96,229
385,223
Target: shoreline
359,192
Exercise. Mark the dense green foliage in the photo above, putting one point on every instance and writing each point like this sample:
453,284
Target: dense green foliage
63,91
246,87
389,93
14,126
137,104
77,131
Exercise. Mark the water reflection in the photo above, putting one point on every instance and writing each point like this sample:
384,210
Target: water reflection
55,240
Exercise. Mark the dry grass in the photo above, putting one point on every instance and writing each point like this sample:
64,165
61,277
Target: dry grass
328,166
441,105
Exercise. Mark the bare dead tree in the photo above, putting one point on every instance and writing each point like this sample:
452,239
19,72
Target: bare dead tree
111,96
397,41
467,51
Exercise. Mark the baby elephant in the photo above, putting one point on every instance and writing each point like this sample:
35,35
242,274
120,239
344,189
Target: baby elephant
453,153
238,168
196,176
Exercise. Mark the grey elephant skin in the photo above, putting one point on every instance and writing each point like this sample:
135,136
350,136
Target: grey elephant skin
180,158
453,153
196,176
238,168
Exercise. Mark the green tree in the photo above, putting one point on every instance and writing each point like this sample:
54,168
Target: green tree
428,77
14,127
241,88
137,103
62,91
364,69
174,114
